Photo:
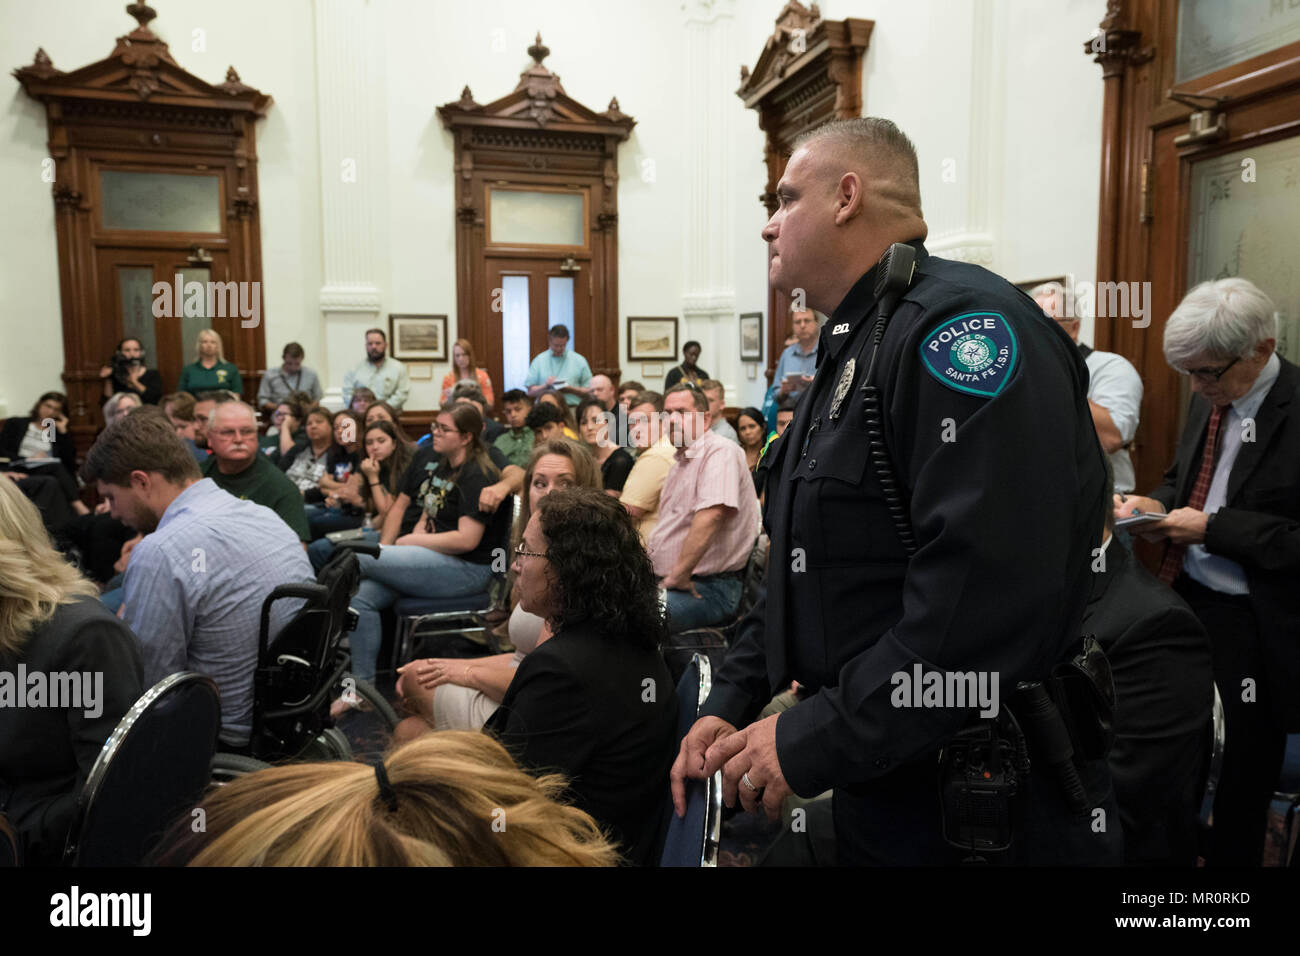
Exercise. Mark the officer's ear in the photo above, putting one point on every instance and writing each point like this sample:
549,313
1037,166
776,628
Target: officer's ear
849,197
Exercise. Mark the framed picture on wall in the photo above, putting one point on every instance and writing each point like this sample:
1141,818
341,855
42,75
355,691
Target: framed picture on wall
651,339
420,338
751,337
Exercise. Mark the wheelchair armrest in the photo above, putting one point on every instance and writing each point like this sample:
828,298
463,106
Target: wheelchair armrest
314,593
360,546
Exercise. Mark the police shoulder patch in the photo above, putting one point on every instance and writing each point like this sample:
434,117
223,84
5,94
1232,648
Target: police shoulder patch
974,352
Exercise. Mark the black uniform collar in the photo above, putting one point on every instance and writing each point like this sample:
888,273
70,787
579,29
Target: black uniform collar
855,309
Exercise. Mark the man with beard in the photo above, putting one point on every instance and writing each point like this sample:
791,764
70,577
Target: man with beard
196,581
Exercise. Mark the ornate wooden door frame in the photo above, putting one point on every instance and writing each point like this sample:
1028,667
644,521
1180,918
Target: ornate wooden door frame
138,107
809,73
537,135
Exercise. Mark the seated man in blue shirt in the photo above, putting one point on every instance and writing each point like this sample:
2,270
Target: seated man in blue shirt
795,367
195,584
568,372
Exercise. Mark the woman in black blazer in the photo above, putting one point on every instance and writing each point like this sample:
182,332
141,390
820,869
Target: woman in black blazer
52,624
41,435
595,702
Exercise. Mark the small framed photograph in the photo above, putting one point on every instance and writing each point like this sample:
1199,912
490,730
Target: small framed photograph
655,370
751,337
420,338
651,339
420,371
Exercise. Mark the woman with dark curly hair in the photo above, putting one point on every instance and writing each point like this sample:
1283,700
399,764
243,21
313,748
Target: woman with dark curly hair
595,701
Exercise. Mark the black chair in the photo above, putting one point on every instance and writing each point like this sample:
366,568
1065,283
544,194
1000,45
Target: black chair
692,840
714,641
438,617
153,767
303,668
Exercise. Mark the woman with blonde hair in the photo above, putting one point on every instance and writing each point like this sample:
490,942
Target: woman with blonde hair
461,694
209,370
52,625
465,369
451,799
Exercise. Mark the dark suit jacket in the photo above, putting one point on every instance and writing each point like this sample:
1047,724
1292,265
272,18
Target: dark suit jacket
15,429
578,704
1164,693
1259,527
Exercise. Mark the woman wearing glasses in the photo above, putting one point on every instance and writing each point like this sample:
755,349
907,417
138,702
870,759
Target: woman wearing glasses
449,551
595,701
459,694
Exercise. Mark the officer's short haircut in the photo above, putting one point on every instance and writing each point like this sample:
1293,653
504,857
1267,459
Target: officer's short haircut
542,414
516,395
879,144
647,397
558,332
701,400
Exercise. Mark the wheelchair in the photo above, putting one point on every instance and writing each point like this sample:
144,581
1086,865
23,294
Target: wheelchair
302,670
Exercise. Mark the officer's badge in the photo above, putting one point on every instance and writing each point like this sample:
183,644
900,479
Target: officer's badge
842,388
974,353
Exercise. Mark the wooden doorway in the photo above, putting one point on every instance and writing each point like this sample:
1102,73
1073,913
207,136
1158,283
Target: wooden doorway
1200,177
536,223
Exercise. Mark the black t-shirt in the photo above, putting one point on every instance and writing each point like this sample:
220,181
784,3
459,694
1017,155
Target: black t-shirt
435,492
615,470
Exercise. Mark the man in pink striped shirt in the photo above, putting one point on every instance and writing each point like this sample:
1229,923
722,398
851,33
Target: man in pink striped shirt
708,517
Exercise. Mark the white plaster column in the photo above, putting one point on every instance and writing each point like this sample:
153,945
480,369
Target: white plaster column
973,237
349,85
711,107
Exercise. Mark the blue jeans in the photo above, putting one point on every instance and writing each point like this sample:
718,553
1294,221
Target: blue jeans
405,571
717,603
321,550
322,520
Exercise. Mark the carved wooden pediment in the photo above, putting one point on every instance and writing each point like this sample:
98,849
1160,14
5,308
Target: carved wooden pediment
537,102
140,69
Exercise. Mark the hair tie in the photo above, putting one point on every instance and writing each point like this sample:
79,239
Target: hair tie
386,791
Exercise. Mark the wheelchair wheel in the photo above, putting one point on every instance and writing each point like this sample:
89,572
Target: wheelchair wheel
332,744
226,767
371,695
371,700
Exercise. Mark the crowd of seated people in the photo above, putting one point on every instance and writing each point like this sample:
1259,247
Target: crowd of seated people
449,694
615,551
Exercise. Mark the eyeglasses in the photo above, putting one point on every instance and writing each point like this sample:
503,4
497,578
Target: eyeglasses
1209,374
232,432
444,430
521,552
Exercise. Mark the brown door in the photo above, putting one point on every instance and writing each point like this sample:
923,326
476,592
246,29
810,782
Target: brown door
129,306
534,295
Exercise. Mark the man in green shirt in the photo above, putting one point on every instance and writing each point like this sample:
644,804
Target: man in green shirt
516,442
237,466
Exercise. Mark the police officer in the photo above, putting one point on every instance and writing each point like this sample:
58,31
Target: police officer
983,413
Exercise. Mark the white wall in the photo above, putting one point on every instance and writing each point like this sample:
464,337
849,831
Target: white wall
1001,87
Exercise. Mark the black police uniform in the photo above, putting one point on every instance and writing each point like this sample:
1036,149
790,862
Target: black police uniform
987,422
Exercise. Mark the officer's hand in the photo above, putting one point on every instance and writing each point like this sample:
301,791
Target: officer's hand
690,759
751,751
